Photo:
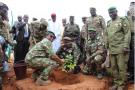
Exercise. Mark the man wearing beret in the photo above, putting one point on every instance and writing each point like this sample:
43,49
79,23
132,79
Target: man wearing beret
72,30
42,58
68,47
95,54
118,39
96,22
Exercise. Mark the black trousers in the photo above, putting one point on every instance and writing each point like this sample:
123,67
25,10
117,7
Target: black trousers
21,50
131,56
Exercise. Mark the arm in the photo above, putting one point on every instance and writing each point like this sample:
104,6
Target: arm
127,32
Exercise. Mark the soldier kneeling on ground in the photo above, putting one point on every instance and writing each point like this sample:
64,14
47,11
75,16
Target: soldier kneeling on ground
68,47
95,54
42,58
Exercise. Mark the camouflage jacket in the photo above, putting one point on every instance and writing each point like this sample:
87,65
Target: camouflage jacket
36,33
71,31
118,35
41,49
97,23
94,47
73,50
4,30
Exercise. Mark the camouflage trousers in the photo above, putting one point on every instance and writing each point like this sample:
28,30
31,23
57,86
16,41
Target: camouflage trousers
119,68
43,67
93,66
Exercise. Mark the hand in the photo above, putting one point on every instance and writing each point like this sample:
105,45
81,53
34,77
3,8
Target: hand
62,61
103,65
125,50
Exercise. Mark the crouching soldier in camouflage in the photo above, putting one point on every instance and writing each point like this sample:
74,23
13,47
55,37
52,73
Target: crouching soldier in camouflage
95,54
42,58
69,47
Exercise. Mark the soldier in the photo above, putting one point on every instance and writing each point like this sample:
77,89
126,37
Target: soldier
4,26
38,30
69,48
118,40
42,58
72,30
131,19
96,22
95,54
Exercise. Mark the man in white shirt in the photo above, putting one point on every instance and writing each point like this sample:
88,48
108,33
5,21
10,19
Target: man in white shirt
55,27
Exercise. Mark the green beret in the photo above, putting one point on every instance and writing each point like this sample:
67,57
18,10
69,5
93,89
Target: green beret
91,29
112,9
51,33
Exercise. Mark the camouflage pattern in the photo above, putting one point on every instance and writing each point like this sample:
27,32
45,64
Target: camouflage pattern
95,55
116,40
118,37
37,33
97,23
132,8
69,49
72,31
39,57
4,30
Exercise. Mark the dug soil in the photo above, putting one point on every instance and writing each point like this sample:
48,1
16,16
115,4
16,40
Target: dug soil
60,81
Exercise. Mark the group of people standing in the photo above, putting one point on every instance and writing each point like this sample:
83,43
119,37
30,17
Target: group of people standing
96,47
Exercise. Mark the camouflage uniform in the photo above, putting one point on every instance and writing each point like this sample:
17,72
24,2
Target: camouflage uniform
118,37
95,55
4,32
63,51
37,33
97,23
39,57
72,31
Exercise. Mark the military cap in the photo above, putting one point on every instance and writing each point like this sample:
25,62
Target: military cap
91,29
44,23
51,33
92,8
112,9
67,38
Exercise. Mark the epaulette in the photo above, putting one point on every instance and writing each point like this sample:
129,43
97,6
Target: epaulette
124,18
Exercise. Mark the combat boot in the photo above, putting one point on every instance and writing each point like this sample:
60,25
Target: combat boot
114,87
121,88
41,82
99,76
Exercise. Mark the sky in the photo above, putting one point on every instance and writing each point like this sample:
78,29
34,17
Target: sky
63,8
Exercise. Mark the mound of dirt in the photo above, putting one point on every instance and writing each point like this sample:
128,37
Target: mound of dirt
65,78
59,82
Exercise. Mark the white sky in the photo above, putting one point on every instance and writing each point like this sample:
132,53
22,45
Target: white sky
64,8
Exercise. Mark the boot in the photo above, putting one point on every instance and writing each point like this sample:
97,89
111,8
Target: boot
114,87
120,88
99,76
41,82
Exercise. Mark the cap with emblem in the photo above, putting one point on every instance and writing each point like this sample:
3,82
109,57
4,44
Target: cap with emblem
112,9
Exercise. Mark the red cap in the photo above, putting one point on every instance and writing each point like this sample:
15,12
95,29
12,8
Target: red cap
53,14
